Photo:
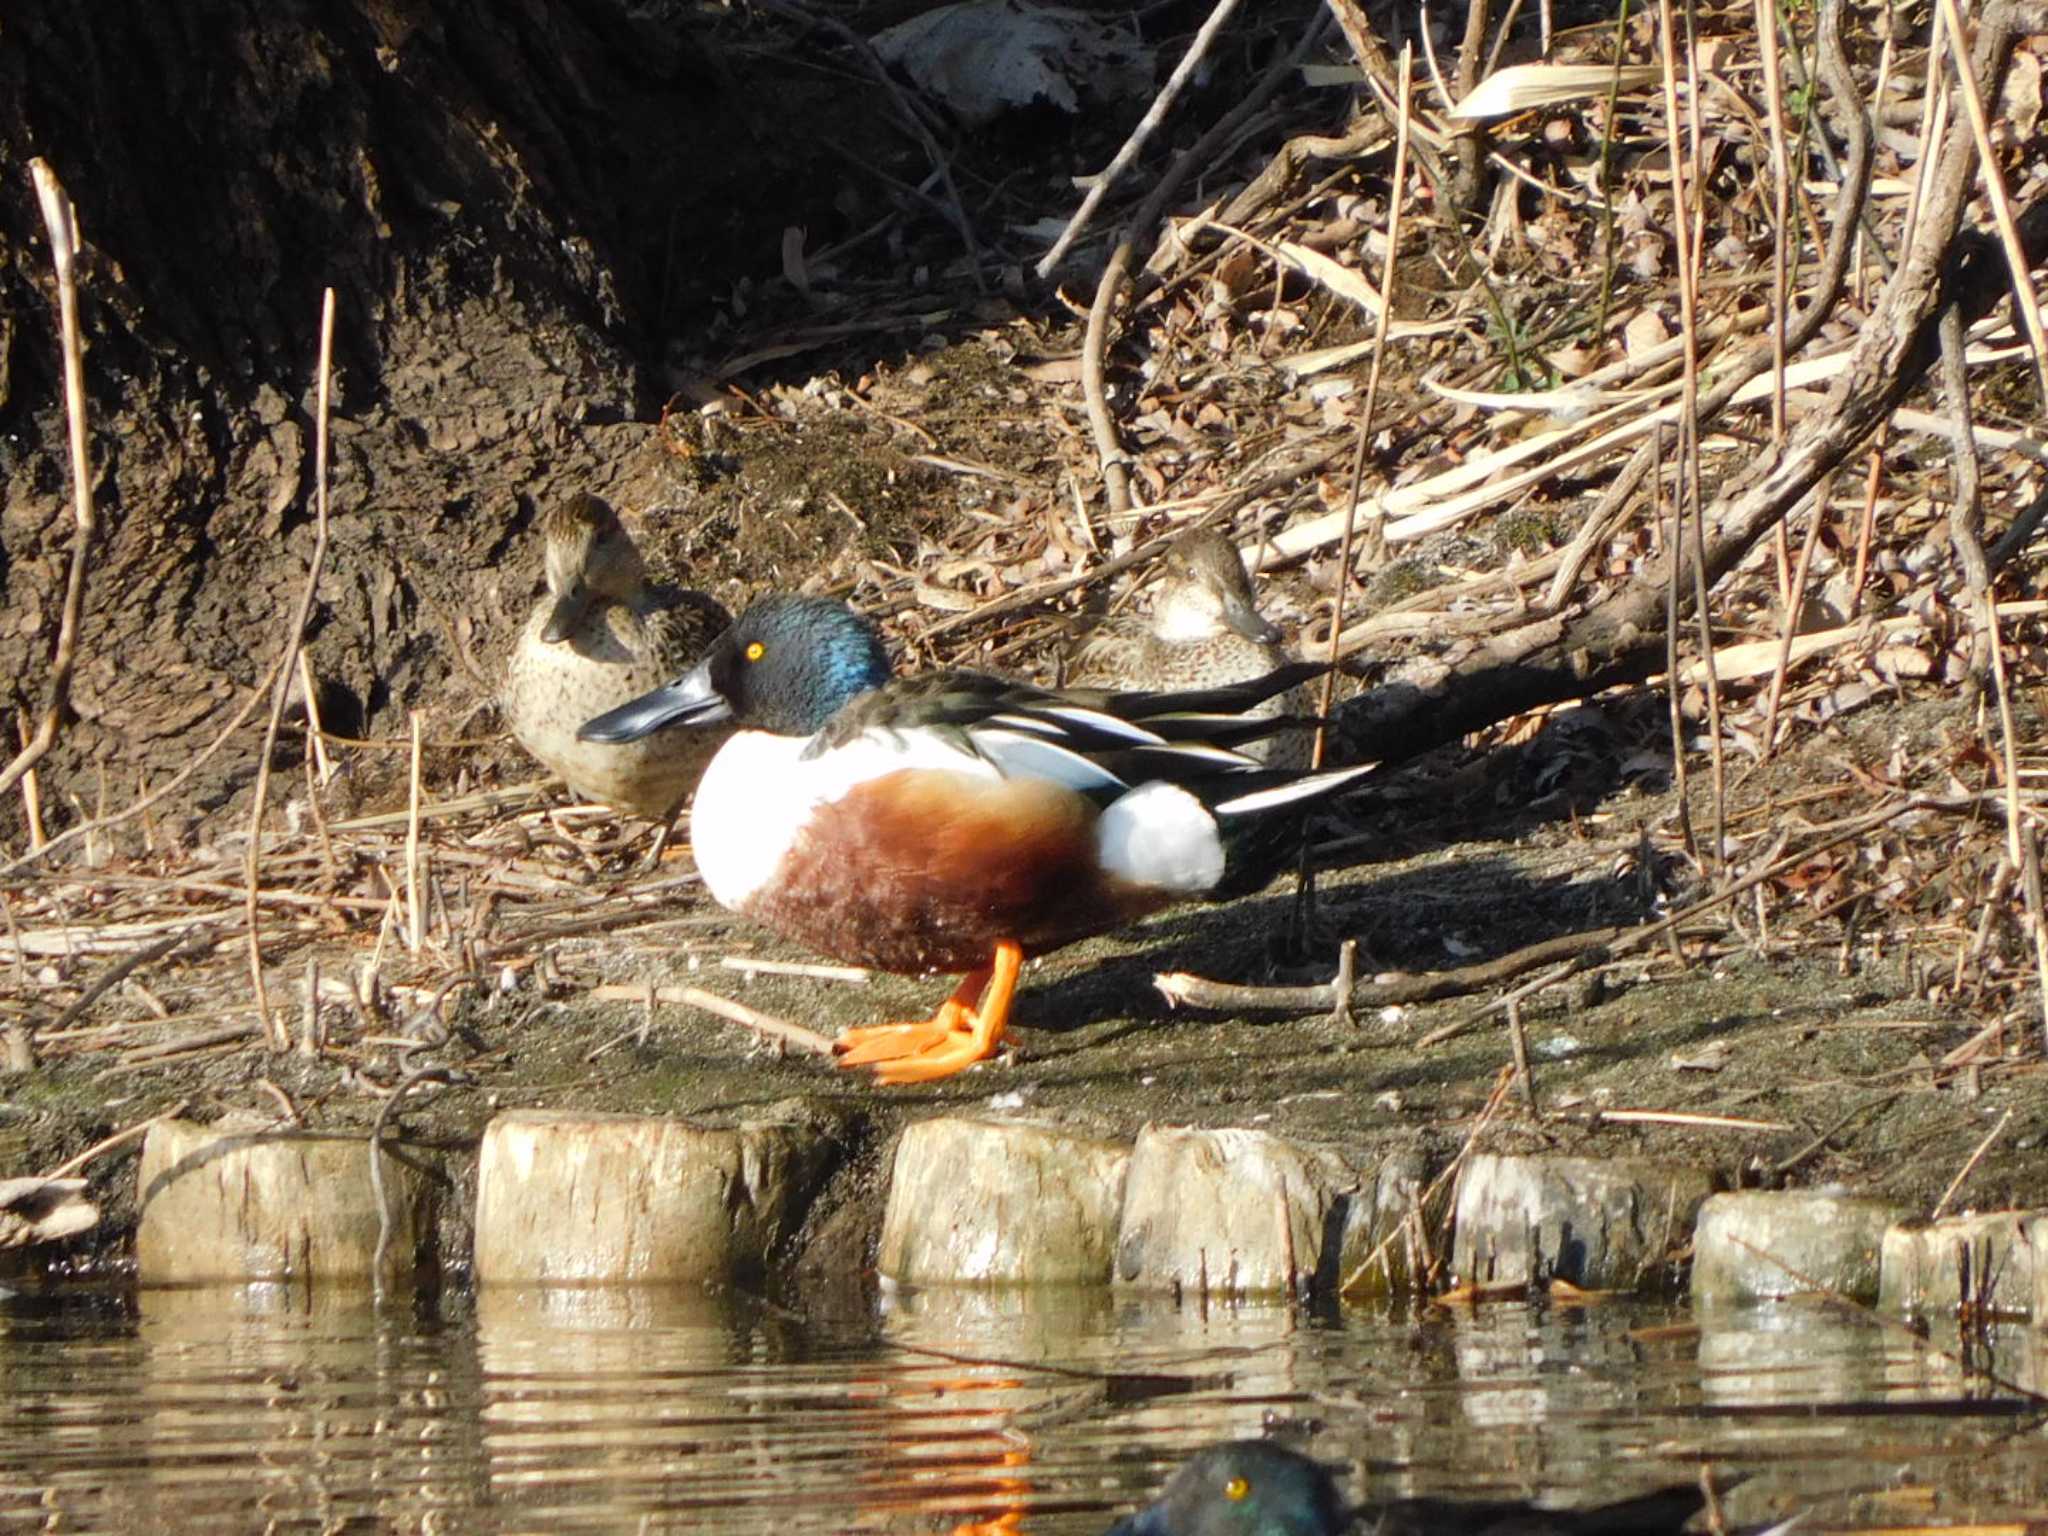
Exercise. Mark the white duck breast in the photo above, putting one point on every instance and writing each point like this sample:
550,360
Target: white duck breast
761,789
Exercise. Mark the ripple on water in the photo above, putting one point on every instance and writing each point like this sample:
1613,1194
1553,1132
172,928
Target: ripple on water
566,1410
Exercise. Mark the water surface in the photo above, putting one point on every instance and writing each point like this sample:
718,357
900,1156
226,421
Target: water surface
609,1410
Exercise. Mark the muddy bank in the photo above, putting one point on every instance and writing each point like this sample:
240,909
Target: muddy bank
1772,1064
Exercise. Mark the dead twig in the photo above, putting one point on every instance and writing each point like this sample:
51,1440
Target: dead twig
1688,1119
1569,953
746,963
904,111
62,222
273,1031
1136,139
1180,988
1969,1165
1970,1369
121,1138
739,1013
1994,190
1688,200
1109,450
120,970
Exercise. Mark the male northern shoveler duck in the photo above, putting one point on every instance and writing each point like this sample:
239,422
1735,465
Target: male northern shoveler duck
601,636
1259,1488
1205,631
956,821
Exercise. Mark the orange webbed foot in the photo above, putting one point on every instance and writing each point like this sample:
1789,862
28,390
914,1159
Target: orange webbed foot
867,1044
964,1030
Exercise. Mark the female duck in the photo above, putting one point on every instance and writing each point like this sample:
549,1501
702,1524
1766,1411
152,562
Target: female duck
956,821
1205,631
600,636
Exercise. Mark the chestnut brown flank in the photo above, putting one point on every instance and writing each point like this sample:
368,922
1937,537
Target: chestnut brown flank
925,870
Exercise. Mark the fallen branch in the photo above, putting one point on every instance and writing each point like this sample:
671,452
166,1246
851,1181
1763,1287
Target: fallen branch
739,1013
1179,987
1568,953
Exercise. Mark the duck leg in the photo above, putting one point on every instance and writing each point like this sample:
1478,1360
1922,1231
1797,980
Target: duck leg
964,1030
661,837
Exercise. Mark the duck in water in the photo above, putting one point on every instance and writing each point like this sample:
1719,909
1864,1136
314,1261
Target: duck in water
1259,1488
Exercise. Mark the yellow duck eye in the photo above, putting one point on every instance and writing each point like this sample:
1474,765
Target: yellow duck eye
1237,1488
756,651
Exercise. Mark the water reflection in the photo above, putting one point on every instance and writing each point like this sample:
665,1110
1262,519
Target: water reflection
565,1410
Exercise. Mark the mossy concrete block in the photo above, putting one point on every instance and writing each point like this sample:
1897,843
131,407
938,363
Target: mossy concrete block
1602,1224
1759,1245
1001,1202
2037,1239
1241,1212
229,1206
1993,1262
1804,1350
571,1198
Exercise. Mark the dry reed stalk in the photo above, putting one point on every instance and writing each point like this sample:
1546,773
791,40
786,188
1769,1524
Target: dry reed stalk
154,797
1969,1166
1453,1172
318,812
31,788
61,220
1674,693
274,1031
1689,216
1389,276
121,1138
1934,112
1688,1118
1794,600
1518,1041
1868,526
779,1030
309,1026
1109,449
1781,181
416,920
2017,264
1887,31
2021,846
315,736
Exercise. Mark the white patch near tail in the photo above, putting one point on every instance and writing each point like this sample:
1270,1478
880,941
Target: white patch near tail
1159,836
1299,789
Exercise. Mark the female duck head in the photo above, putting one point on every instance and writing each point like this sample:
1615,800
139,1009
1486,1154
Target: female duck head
590,561
787,665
